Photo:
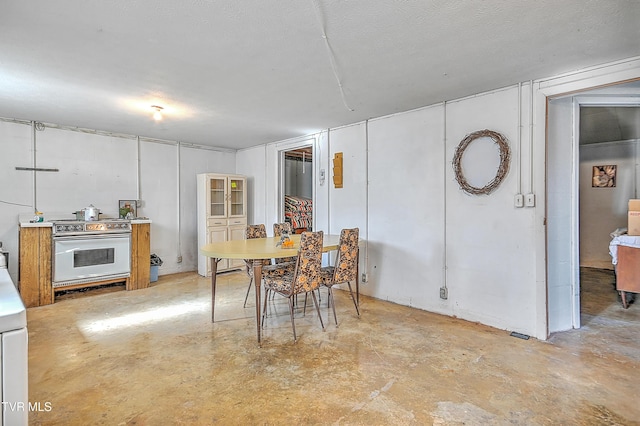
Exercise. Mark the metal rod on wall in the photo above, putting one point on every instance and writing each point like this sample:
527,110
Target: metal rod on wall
33,147
138,195
178,218
37,169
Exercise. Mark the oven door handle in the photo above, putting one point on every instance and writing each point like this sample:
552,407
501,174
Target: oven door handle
92,236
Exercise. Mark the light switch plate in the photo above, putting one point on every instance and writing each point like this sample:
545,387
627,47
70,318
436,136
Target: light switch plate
530,200
518,200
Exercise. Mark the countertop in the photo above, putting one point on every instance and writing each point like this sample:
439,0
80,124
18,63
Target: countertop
25,221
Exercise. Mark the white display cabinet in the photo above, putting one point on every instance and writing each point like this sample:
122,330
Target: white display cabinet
222,215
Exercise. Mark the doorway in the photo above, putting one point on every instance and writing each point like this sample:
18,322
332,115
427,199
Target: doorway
608,142
563,204
297,189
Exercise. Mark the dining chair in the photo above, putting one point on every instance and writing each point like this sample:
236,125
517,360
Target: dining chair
304,279
253,231
345,269
278,230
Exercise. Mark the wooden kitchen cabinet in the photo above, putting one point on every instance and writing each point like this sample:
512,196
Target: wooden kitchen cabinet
34,265
222,215
140,256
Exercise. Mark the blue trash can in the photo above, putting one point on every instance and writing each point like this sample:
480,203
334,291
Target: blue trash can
156,262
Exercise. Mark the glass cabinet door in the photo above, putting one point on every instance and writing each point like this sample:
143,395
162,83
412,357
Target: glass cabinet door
237,197
217,202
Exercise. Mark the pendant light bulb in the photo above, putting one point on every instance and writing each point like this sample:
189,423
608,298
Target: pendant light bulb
157,114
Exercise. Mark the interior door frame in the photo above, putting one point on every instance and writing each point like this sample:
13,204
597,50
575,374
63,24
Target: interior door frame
309,141
551,300
586,100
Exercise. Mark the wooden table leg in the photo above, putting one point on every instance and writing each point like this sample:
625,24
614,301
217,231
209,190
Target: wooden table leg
257,279
623,295
214,270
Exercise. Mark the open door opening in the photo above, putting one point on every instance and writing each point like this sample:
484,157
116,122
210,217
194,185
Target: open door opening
579,146
297,200
609,142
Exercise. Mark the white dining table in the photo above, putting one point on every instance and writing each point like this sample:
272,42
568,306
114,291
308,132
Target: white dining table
256,249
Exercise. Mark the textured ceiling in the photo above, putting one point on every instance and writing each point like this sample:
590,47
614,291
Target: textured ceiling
239,73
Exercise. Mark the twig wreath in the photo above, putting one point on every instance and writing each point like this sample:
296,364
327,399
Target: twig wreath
503,168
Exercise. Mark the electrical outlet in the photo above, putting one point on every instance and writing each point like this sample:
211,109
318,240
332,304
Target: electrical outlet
179,259
530,200
518,200
365,278
443,293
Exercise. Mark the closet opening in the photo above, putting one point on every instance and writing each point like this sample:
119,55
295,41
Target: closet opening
297,194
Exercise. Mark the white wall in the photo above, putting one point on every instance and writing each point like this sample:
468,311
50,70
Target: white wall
347,206
16,187
602,210
489,242
100,169
251,163
406,208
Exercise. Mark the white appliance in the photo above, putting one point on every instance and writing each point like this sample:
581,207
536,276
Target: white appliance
86,252
13,353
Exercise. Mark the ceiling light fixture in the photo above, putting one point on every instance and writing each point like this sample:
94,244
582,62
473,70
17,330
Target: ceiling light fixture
157,114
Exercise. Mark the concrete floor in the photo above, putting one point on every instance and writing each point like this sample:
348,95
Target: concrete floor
153,357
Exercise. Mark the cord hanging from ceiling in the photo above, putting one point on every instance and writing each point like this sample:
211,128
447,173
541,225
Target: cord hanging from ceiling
332,57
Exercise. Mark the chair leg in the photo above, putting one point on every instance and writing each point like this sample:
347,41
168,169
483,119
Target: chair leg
353,298
304,310
315,302
264,308
332,301
247,296
293,324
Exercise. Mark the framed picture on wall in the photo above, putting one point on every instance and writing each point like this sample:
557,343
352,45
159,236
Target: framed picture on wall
604,176
127,209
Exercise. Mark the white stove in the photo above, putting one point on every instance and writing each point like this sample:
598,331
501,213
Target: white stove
86,252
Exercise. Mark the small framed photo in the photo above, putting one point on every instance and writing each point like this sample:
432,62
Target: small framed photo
127,209
604,176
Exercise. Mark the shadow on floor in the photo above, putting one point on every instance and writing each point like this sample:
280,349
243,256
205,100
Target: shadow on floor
598,297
